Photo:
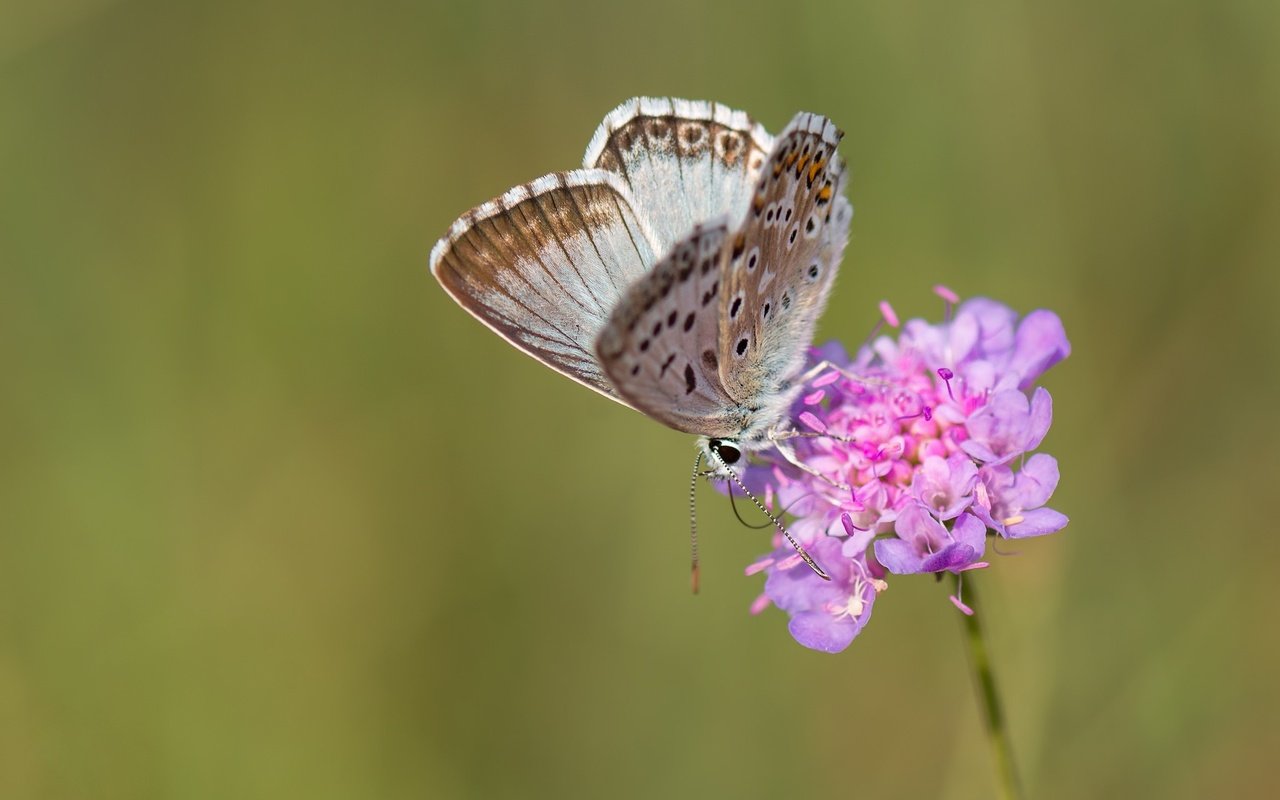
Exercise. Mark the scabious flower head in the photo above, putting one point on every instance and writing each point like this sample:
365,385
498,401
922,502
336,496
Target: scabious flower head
907,457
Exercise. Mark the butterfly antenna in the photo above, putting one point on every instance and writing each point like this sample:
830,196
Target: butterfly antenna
693,521
804,554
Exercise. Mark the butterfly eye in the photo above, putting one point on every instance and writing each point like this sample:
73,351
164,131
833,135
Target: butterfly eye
727,452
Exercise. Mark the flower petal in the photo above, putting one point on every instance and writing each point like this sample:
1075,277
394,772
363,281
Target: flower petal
979,376
1036,523
1036,481
970,531
964,334
995,321
798,589
819,630
983,514
979,450
897,556
915,524
1000,428
954,558
1041,418
1041,343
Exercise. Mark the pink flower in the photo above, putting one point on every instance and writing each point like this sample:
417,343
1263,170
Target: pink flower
910,449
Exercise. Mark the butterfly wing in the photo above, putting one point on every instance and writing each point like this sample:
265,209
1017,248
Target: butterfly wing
659,347
546,263
685,161
781,264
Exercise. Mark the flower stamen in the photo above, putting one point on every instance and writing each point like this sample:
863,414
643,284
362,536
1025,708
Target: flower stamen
760,604
849,527
812,421
949,297
946,376
925,411
826,379
890,316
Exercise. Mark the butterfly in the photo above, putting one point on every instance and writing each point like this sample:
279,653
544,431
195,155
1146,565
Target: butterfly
680,272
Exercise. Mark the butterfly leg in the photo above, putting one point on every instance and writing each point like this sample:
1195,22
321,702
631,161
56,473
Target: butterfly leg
822,366
780,443
779,437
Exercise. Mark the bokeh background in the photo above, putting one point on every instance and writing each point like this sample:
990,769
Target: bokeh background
278,520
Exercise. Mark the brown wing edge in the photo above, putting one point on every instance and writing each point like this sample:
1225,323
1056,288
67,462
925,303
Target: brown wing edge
502,204
636,107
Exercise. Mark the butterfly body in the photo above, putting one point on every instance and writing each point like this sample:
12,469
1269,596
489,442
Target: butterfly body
680,272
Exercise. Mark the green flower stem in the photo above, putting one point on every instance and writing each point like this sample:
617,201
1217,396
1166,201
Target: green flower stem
985,685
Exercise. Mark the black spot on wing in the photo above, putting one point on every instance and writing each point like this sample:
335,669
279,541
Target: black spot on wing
710,294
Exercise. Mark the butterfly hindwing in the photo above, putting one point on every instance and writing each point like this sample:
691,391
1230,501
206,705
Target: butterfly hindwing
782,262
546,263
685,161
659,347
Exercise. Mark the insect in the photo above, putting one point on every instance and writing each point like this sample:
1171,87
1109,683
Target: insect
680,272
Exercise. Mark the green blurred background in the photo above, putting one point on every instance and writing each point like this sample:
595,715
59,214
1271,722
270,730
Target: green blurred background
277,519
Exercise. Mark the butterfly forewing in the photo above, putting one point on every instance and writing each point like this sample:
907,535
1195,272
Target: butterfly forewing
546,263
659,348
684,161
781,263
682,272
